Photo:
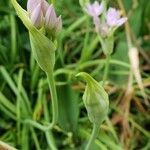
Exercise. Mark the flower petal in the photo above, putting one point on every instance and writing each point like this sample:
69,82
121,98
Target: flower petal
94,9
31,5
37,16
122,21
50,17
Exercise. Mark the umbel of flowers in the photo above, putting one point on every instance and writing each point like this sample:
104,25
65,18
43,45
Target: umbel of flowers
43,15
106,26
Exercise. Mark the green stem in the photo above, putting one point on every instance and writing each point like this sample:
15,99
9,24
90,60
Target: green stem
53,2
48,133
13,38
52,87
106,68
93,137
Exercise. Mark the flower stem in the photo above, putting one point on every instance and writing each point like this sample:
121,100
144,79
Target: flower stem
52,87
106,68
93,137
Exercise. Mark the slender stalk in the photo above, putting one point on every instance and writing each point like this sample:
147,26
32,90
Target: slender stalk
106,68
52,1
52,87
36,141
48,133
93,137
13,38
18,105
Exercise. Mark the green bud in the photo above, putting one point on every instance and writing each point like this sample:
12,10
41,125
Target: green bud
42,47
95,99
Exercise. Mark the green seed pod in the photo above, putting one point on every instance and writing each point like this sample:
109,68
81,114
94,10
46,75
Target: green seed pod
95,99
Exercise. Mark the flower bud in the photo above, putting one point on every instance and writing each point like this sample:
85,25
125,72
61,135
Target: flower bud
95,99
53,24
37,16
31,5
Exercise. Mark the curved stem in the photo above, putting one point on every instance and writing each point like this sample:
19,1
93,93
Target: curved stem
52,87
106,69
93,137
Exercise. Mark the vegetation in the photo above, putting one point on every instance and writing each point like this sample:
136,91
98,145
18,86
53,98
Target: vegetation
25,99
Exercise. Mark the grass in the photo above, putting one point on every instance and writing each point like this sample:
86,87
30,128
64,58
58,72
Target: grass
25,101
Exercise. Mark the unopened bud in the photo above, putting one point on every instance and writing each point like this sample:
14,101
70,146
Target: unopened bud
95,99
31,5
37,16
53,24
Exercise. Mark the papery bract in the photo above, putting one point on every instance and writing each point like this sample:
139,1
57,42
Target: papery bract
95,99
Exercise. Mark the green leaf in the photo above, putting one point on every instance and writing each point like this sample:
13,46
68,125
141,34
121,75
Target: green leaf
136,21
68,108
121,54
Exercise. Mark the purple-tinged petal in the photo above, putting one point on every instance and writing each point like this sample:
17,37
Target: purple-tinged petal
37,16
45,6
98,8
113,18
122,21
50,17
94,9
31,5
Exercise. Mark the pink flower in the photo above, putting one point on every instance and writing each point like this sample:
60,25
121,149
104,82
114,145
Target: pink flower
37,16
43,15
31,4
52,22
113,18
94,9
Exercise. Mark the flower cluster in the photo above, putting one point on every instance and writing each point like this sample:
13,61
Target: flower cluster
43,15
112,18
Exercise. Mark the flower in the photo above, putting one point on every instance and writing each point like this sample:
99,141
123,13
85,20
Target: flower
43,15
31,4
113,18
37,16
94,9
52,22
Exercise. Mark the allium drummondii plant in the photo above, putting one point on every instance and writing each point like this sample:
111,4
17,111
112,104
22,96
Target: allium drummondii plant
43,25
105,27
112,17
